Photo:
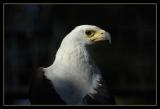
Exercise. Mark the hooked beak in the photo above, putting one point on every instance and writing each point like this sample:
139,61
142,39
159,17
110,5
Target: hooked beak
102,35
107,36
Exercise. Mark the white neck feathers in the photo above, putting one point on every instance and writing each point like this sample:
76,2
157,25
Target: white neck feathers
73,73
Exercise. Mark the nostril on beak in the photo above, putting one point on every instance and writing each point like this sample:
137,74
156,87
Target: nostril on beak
102,32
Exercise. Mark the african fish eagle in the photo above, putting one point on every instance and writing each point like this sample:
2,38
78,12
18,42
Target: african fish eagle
73,78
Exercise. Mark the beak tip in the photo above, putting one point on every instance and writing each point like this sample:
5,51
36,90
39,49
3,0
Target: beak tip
108,37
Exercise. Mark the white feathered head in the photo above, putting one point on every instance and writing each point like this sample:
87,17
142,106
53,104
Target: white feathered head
88,34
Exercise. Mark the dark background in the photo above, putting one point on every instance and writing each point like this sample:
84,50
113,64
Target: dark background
33,34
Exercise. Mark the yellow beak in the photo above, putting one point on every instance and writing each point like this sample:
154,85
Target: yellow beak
100,36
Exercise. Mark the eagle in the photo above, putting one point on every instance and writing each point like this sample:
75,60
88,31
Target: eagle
73,78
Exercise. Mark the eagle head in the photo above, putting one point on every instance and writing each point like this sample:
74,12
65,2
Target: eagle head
88,34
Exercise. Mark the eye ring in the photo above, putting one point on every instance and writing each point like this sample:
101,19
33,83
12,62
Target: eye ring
89,33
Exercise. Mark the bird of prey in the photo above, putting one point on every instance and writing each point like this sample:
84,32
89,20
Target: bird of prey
73,78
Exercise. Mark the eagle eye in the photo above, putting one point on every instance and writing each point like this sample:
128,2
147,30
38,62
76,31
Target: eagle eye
90,33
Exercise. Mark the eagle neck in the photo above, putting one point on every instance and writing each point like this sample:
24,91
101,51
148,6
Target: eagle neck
74,68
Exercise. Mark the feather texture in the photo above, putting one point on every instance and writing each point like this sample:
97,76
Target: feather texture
74,77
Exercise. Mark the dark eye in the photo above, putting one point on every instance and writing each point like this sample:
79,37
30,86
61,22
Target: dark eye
90,33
